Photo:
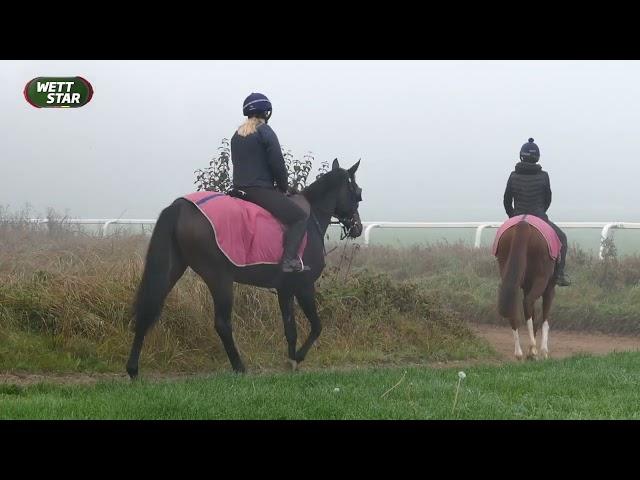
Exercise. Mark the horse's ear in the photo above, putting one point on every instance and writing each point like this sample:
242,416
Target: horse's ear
353,169
335,165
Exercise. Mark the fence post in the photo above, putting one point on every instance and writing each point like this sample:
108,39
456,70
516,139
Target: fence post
367,233
605,236
479,230
106,226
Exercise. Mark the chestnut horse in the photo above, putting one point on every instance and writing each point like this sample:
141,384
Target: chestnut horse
524,260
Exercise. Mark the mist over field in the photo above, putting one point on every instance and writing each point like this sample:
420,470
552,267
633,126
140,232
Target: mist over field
437,139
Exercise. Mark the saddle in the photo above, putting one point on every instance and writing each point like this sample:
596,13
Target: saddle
246,233
549,234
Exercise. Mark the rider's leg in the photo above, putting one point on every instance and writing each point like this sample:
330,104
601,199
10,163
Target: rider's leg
561,279
285,210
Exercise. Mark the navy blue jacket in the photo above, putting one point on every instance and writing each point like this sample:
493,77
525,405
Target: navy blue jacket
258,161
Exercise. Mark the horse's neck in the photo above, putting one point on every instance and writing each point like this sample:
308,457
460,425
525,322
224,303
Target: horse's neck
324,219
322,210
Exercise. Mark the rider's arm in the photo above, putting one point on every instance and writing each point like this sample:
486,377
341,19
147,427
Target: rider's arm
547,198
508,199
274,157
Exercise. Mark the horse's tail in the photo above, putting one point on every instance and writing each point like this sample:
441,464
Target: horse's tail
515,268
155,278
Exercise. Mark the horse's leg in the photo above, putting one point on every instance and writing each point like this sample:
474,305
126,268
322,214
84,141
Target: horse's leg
221,288
307,300
536,291
528,305
516,340
147,315
285,298
512,258
529,314
515,323
547,300
201,252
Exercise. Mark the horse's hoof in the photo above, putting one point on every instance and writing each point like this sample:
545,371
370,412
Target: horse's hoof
133,373
519,357
293,364
545,354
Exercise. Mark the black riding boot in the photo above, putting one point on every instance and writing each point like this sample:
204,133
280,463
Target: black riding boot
561,279
292,239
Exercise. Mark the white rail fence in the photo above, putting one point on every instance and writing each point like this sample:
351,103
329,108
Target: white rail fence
604,227
104,222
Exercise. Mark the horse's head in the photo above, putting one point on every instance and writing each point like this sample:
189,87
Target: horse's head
349,198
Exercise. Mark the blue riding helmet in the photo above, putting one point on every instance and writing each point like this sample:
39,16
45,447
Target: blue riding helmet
256,104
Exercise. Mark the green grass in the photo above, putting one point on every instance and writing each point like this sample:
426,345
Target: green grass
65,306
29,352
367,319
577,388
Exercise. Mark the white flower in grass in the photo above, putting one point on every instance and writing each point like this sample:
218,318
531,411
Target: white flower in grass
461,376
336,389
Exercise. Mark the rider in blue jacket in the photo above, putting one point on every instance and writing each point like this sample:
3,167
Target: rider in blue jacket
259,171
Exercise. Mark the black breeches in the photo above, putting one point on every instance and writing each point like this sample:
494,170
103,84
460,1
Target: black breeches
275,203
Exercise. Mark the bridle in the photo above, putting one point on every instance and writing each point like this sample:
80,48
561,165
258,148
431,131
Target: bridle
350,226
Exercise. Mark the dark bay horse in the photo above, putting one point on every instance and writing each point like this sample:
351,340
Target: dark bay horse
183,238
524,260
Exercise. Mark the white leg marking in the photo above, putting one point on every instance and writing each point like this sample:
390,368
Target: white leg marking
516,339
545,339
532,339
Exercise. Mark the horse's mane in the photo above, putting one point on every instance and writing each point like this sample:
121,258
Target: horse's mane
326,182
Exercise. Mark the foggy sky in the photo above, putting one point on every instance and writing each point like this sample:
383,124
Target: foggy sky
437,139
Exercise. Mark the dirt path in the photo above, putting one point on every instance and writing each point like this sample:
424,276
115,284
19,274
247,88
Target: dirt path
561,343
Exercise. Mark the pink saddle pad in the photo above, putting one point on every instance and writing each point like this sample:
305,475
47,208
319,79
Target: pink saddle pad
245,232
543,227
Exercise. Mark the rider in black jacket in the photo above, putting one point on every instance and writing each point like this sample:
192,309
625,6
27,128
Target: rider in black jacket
529,191
260,172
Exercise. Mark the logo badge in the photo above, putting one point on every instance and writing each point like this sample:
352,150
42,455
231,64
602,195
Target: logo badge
58,92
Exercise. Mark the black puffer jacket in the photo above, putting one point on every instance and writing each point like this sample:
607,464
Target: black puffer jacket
528,191
257,160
